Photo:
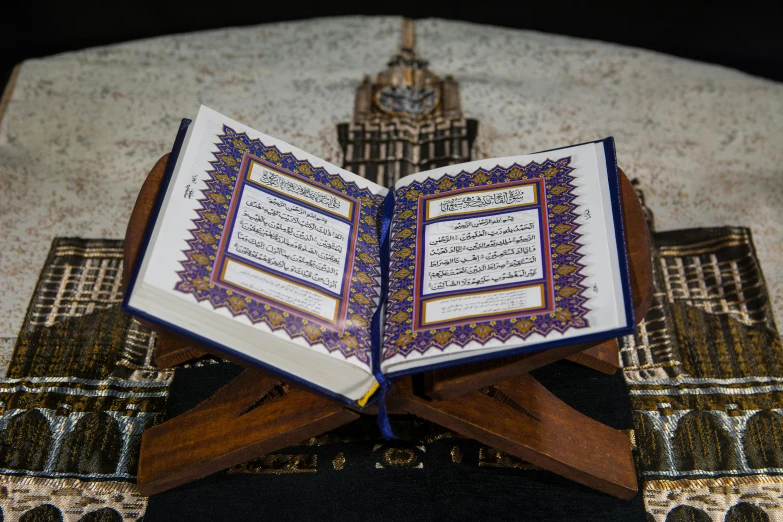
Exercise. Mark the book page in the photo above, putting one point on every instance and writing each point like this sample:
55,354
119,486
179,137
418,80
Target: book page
271,237
499,254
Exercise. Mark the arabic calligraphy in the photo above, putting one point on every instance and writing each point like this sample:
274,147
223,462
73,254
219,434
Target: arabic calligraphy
275,180
509,197
477,201
281,290
482,252
487,303
290,239
299,190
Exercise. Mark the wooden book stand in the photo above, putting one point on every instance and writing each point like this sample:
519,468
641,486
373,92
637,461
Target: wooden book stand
495,402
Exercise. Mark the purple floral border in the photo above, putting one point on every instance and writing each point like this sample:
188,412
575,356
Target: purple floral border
363,292
570,309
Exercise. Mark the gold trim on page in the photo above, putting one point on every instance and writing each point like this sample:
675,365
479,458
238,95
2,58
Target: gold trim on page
473,192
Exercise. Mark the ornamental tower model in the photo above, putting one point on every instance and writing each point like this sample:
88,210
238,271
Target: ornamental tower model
408,120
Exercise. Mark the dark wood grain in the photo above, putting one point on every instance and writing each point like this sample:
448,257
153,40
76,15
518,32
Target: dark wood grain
522,418
448,383
252,415
137,224
604,358
639,248
173,349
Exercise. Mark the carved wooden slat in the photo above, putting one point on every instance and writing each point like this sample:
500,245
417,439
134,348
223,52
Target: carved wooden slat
604,358
524,419
249,417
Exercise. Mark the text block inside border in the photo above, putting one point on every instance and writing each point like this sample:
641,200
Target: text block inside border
481,304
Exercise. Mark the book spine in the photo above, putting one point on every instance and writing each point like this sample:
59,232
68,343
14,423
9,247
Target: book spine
377,320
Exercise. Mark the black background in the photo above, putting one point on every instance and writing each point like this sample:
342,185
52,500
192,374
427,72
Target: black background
746,36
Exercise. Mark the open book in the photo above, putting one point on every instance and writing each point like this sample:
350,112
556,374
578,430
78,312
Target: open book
272,255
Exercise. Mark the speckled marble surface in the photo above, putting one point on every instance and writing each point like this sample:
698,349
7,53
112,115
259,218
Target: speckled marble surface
82,129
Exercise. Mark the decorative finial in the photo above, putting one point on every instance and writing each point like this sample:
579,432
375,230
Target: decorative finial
408,42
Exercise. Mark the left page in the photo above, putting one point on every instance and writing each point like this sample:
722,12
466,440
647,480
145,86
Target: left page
258,237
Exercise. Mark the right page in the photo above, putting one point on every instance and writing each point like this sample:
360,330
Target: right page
504,256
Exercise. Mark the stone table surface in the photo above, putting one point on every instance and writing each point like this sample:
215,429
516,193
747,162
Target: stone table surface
80,130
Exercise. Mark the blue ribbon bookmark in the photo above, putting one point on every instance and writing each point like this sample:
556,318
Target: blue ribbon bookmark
377,337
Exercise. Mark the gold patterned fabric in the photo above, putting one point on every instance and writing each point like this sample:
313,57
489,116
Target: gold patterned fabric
705,375
79,391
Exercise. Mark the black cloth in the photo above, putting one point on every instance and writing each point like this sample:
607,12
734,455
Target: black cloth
429,474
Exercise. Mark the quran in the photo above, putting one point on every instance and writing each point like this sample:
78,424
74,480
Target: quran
269,254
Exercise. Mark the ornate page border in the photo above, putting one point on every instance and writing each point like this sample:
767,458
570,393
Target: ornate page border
545,281
570,310
337,322
196,280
